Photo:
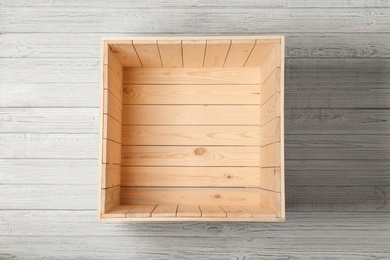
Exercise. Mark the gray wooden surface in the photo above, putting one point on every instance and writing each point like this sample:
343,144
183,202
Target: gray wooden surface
337,129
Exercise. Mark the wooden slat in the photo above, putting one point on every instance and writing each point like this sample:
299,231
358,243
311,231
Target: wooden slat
191,94
239,52
188,211
112,83
193,176
270,109
216,53
119,211
164,211
111,175
271,201
114,64
193,135
112,129
270,179
112,106
260,212
270,86
192,114
110,199
111,152
141,211
148,53
259,52
190,196
126,55
235,211
193,53
212,211
270,155
185,76
193,156
271,62
270,132
171,54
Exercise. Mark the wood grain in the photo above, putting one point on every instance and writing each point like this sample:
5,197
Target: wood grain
164,210
171,54
216,53
189,211
148,53
190,156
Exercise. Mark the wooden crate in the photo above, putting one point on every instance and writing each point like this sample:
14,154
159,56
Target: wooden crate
192,129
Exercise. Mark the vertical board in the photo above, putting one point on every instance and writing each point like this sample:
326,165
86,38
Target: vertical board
171,54
148,53
239,53
260,51
193,53
127,55
216,53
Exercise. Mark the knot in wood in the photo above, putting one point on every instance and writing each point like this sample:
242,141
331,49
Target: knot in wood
200,151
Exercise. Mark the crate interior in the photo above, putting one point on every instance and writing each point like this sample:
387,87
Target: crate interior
192,129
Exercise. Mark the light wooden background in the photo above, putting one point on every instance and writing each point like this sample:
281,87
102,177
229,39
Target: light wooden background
337,129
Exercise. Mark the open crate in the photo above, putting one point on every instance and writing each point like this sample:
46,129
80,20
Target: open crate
192,129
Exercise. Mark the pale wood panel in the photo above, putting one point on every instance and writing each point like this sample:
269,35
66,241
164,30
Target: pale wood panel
113,63
190,156
118,211
193,176
259,53
141,211
164,210
270,109
112,106
112,129
193,53
190,196
126,55
110,199
239,52
111,152
191,135
111,175
260,212
335,4
235,211
148,53
212,211
273,61
185,76
171,54
191,115
216,53
270,86
270,155
188,211
191,94
270,179
271,201
270,132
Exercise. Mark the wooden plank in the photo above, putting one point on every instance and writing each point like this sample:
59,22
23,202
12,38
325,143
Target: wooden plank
111,152
235,211
270,86
212,211
190,196
190,135
270,132
271,201
270,155
110,199
112,129
112,82
192,156
114,64
164,211
270,109
335,4
185,76
191,115
141,211
191,94
270,179
148,53
111,175
119,211
259,53
216,53
193,176
171,53
126,55
112,106
239,52
259,212
188,211
193,53
272,61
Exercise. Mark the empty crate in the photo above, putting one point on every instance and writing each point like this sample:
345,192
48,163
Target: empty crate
192,129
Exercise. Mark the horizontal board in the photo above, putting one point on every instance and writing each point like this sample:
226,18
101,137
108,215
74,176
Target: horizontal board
337,172
191,115
192,20
190,156
191,176
190,135
338,3
191,94
190,196
186,76
189,211
338,147
49,120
